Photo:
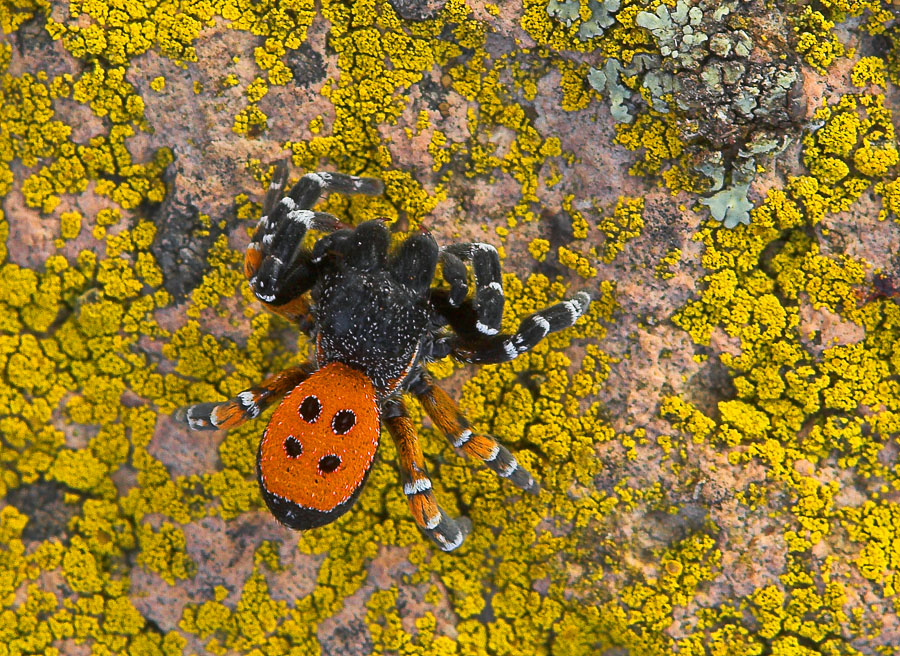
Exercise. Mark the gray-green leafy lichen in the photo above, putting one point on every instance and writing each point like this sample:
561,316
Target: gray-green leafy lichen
607,80
679,35
603,14
725,68
566,11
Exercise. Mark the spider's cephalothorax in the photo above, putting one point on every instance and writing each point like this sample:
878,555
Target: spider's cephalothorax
376,320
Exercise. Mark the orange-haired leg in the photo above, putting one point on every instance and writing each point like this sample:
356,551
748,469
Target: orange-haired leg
434,522
246,405
446,416
295,310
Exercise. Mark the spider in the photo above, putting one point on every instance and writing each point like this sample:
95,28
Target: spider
376,321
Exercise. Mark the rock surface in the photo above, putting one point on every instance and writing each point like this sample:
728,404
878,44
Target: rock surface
716,443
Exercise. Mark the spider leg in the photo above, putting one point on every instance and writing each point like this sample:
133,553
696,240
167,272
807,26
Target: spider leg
278,269
276,187
454,272
367,246
307,191
246,405
413,265
447,533
534,328
363,248
446,416
488,284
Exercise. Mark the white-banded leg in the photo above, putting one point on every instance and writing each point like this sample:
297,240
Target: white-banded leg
278,269
489,300
312,185
534,328
246,405
446,532
446,415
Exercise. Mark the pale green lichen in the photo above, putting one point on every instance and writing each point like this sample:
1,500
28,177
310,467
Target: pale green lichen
679,34
730,206
726,88
607,80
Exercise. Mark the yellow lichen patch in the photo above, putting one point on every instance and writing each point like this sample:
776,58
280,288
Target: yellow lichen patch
118,32
576,262
576,93
889,191
857,144
625,224
657,135
664,268
284,25
868,70
796,408
819,46
221,281
255,623
877,13
16,12
539,249
27,101
876,527
163,552
70,225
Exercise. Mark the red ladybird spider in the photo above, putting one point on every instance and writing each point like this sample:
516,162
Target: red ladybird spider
376,321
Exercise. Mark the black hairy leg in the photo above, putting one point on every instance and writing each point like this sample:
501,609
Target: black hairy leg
414,263
278,269
505,347
454,271
489,300
363,249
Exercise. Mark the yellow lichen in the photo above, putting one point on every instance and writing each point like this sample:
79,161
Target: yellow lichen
625,224
815,40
